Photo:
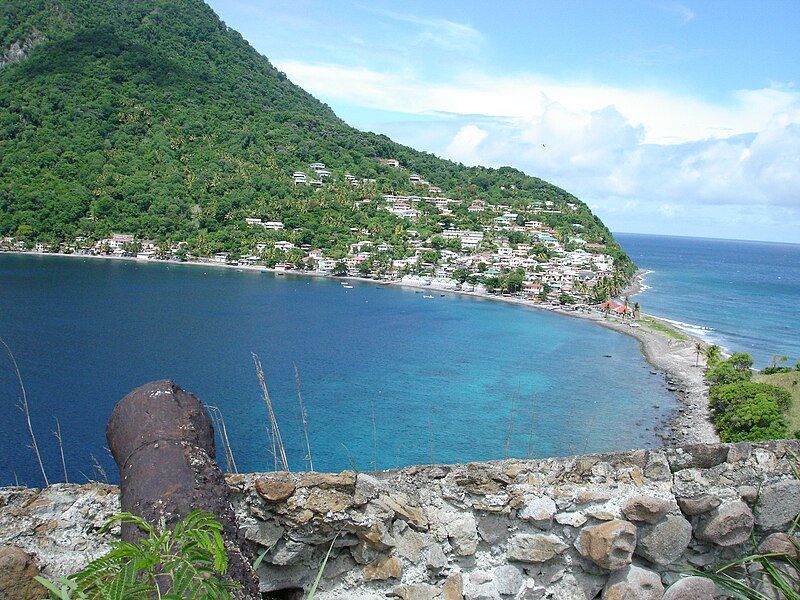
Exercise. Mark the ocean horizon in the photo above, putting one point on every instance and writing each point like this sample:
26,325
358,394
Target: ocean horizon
740,294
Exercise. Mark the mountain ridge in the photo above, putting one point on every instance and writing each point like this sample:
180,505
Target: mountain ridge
154,118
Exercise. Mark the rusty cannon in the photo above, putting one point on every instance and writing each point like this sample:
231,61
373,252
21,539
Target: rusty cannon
162,440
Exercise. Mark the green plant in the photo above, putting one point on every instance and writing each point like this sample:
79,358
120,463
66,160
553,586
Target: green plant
188,561
760,576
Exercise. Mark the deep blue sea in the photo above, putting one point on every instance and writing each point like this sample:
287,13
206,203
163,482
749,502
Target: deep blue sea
389,378
744,296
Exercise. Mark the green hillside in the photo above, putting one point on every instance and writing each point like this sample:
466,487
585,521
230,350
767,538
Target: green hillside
152,117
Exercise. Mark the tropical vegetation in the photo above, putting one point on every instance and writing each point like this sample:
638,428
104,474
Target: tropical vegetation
744,409
188,561
155,119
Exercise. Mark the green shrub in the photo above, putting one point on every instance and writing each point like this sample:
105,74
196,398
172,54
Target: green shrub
753,419
736,368
188,561
749,411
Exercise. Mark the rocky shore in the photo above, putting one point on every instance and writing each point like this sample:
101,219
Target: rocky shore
684,376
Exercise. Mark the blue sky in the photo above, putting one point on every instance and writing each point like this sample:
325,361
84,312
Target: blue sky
665,117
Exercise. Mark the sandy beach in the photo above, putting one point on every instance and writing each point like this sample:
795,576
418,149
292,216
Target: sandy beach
674,358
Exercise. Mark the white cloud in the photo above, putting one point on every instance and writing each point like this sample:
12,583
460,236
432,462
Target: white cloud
681,11
447,35
465,144
665,117
661,155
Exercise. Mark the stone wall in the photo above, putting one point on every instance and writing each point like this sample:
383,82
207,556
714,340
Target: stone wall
613,526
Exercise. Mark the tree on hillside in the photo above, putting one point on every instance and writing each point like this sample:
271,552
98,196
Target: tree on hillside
698,348
713,354
777,359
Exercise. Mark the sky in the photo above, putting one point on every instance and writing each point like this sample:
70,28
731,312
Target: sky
678,118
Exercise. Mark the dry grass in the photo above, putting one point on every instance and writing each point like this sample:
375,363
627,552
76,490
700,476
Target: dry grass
23,406
275,438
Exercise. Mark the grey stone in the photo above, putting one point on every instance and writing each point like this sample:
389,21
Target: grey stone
691,588
289,552
664,542
264,533
493,529
657,467
367,488
609,545
434,557
633,583
408,542
480,585
699,456
462,530
646,509
534,548
727,525
508,580
566,588
748,493
416,591
778,504
779,543
364,553
539,510
699,504
573,519
739,452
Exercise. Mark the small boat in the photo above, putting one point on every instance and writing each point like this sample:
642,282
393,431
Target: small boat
347,287
441,295
426,296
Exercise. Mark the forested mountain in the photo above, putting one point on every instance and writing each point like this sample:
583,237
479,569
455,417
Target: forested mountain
152,117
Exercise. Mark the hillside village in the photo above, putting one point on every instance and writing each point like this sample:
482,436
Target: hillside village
533,249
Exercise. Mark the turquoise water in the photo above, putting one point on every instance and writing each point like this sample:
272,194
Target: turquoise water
389,378
741,295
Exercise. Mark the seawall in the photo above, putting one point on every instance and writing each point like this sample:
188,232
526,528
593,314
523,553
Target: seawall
572,528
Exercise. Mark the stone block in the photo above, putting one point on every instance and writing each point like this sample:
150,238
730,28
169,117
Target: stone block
727,525
664,542
609,545
633,583
534,548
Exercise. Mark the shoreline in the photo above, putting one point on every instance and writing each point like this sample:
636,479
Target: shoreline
674,358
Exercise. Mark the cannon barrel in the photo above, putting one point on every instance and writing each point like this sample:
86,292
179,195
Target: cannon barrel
162,440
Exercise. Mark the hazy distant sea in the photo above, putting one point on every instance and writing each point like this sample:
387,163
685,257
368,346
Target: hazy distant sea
741,295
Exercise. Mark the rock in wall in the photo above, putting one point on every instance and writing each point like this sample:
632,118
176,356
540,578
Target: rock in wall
612,526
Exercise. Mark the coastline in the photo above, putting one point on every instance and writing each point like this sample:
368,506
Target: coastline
674,358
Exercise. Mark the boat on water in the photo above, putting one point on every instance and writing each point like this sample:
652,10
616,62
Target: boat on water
427,296
347,287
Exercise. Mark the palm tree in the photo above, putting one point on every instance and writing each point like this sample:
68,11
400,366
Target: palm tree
637,310
698,348
778,359
713,354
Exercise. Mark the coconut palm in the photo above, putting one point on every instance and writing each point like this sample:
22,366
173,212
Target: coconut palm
713,354
698,348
